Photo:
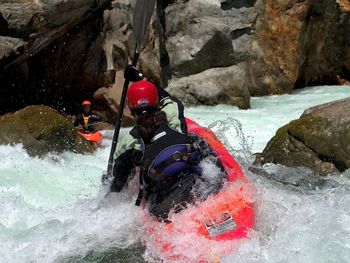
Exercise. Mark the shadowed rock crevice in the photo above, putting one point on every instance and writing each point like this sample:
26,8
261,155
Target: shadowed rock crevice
240,32
67,64
161,29
229,4
217,52
326,159
325,45
70,72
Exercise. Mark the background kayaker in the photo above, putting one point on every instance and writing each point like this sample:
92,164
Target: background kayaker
86,120
159,144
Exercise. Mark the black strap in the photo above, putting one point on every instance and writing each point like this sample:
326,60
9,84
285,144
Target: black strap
139,197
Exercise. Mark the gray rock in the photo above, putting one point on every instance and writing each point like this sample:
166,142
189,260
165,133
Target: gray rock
214,86
20,17
319,140
200,35
9,47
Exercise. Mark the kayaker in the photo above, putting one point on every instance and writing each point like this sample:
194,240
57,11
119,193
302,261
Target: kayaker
168,158
86,120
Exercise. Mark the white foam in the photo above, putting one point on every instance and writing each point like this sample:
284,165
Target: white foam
52,208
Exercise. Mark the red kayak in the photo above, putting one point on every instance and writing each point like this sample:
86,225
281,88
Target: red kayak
95,137
207,231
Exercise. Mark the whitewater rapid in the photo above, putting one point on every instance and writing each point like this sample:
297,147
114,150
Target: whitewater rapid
53,210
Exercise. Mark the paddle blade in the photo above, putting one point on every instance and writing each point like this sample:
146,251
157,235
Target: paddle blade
142,16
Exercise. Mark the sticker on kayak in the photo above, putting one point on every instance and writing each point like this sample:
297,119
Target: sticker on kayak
223,224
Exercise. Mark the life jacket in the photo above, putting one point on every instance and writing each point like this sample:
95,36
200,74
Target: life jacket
86,121
168,157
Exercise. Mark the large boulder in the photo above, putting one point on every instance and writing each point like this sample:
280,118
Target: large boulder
41,130
319,140
214,86
201,35
279,27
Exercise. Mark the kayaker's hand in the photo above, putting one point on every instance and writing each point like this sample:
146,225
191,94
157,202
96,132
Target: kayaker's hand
132,74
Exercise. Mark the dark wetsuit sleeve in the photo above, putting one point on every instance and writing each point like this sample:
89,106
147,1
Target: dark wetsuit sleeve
122,168
78,120
95,118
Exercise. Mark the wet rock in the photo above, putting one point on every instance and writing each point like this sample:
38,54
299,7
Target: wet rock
302,178
41,130
319,140
214,86
326,52
9,47
70,49
62,61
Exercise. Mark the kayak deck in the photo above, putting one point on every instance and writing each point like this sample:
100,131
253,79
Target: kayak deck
226,216
95,137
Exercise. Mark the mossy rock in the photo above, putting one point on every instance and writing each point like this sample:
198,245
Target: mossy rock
319,140
41,130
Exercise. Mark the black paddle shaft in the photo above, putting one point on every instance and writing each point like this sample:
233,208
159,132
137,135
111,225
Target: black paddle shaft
118,122
142,16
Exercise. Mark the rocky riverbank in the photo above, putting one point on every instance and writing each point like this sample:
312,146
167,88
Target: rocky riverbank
206,52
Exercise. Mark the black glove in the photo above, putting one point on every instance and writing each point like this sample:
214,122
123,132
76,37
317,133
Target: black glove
132,74
122,168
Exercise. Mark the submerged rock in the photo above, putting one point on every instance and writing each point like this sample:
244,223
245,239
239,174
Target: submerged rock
41,130
319,140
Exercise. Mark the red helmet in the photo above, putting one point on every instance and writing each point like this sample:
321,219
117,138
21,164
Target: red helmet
86,102
142,94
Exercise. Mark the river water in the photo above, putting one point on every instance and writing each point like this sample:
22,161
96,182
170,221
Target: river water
53,210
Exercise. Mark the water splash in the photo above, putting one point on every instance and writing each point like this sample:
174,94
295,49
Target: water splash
230,133
51,209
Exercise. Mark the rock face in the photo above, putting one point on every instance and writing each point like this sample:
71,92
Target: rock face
60,60
278,29
319,140
286,44
60,52
326,53
111,96
41,130
208,42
